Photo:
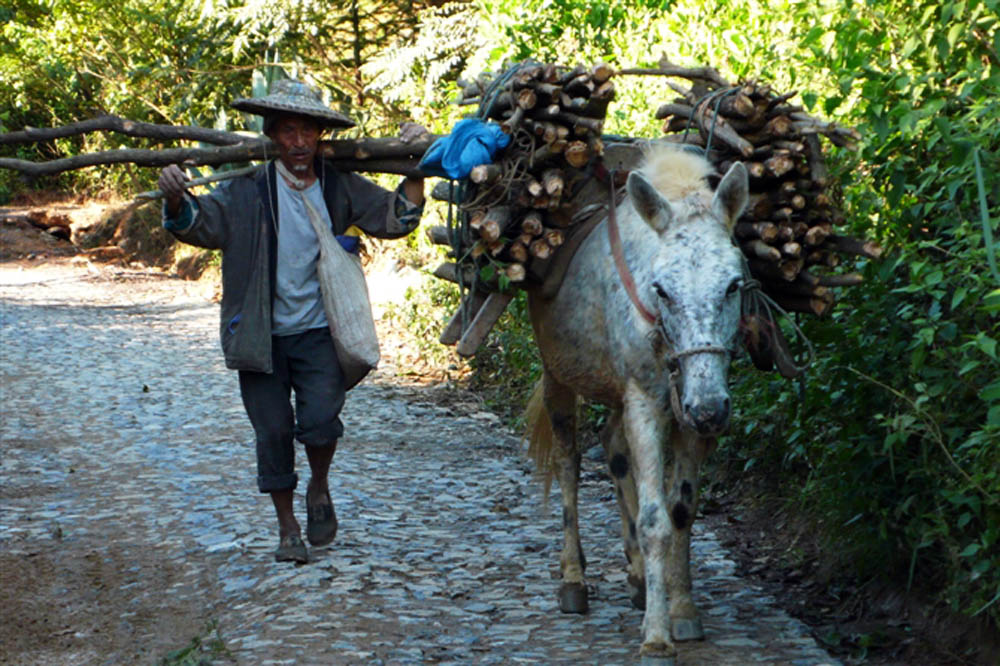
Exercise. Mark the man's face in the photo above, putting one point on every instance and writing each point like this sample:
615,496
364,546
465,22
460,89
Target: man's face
296,138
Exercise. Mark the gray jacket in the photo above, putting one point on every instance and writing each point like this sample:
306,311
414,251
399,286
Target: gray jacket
239,218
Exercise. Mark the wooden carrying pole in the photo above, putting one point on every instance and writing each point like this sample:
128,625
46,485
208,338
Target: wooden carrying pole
382,155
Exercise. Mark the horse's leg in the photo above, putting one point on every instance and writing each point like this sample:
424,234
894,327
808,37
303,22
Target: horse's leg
560,401
646,426
690,451
620,468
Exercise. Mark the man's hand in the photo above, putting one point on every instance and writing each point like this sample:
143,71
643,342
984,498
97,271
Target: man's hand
173,183
409,132
413,186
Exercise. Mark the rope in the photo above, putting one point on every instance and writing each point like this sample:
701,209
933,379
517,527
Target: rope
756,302
454,240
717,96
515,170
621,265
498,84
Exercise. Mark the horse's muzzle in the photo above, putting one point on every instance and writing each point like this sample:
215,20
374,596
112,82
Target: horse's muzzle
708,415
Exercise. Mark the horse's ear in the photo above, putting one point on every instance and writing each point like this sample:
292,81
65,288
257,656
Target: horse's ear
649,203
732,195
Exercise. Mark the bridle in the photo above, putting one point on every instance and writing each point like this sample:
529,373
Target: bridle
674,356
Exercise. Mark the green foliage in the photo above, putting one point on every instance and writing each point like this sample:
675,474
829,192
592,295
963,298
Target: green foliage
566,31
507,365
143,60
419,71
894,435
155,61
423,315
332,48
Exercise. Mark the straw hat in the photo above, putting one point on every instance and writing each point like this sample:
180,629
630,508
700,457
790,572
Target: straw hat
294,97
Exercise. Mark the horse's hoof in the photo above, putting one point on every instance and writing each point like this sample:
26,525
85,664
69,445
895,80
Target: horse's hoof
687,629
657,654
573,598
650,660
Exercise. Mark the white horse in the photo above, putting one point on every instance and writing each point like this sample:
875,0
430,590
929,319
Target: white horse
657,353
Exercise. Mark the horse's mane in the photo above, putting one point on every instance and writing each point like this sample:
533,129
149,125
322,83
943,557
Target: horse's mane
676,173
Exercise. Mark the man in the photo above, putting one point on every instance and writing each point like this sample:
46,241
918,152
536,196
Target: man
273,325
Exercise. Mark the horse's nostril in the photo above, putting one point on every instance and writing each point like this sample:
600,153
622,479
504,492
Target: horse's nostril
725,405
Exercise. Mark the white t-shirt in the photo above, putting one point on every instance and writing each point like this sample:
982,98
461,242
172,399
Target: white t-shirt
298,303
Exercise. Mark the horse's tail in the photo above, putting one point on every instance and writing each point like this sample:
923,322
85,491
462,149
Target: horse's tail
538,430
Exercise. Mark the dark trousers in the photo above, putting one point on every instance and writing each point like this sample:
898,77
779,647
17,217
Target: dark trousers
306,362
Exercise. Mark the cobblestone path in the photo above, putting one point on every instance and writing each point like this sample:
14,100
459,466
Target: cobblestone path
129,516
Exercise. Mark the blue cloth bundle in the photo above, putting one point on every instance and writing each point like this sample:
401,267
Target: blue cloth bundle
472,142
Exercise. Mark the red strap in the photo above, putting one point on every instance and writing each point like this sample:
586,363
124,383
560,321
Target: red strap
614,238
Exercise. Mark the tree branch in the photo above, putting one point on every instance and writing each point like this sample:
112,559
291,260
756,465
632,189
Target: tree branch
162,158
109,123
666,68
984,42
368,148
389,155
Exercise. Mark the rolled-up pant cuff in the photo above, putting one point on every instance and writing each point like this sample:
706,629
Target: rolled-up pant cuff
319,442
270,484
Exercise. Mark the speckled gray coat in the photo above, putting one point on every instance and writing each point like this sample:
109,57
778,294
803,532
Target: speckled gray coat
676,240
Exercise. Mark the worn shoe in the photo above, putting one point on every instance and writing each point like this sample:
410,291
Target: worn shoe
291,549
321,522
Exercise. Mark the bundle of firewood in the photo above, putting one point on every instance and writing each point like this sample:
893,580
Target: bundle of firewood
518,208
788,231
515,212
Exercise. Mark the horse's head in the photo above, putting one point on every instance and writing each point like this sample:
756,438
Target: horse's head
695,278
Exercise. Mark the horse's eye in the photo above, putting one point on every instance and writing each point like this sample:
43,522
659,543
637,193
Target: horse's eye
734,286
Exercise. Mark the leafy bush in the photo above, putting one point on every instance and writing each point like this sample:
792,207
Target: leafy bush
423,316
507,366
894,438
